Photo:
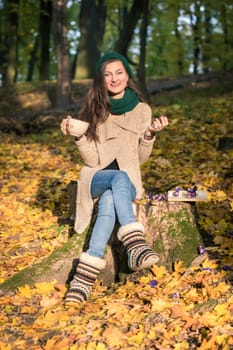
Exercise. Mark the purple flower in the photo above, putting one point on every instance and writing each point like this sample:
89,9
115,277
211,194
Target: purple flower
192,190
193,194
153,283
175,194
176,295
226,268
202,249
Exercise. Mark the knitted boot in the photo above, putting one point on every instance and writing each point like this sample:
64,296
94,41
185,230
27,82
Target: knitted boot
86,274
140,255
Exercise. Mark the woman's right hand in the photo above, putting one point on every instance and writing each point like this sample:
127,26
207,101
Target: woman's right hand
65,125
73,127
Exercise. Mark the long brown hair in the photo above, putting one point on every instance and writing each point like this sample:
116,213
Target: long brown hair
96,108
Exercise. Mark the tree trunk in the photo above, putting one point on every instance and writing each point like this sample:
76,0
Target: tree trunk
225,58
142,61
92,26
46,9
62,54
32,59
180,47
206,48
12,42
129,25
196,20
170,229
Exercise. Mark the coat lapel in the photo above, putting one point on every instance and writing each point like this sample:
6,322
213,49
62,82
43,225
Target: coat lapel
114,125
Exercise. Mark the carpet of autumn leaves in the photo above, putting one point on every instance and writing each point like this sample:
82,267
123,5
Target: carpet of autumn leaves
190,308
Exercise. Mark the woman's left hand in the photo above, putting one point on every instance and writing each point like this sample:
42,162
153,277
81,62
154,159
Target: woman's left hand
158,124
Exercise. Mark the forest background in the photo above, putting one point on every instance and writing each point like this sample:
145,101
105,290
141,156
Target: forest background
49,40
181,55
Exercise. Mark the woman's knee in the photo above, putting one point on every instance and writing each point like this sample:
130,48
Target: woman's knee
121,181
121,177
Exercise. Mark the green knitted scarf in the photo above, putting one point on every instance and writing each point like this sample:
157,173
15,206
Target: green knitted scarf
125,104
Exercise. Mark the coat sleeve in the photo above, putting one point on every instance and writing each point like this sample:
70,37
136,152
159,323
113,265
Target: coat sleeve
145,146
88,151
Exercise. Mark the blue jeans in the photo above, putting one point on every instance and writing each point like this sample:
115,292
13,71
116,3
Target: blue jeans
116,193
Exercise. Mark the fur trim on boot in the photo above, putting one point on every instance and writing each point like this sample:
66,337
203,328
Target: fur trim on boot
86,274
140,255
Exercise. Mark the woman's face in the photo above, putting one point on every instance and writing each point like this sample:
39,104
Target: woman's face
116,78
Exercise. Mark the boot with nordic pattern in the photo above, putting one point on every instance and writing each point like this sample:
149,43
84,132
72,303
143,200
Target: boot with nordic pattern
86,274
140,255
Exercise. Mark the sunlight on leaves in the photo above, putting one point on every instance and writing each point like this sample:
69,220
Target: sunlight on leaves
186,308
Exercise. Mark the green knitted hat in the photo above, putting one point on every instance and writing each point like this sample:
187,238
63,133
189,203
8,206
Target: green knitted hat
114,56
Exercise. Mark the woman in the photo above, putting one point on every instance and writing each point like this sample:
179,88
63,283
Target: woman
119,138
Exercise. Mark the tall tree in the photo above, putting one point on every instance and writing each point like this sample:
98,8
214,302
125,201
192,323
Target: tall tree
195,17
92,25
223,16
3,41
130,19
206,47
32,59
62,54
45,31
143,37
179,41
12,42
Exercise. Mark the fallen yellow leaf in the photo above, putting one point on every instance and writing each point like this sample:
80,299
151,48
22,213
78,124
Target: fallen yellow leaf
44,287
25,291
113,335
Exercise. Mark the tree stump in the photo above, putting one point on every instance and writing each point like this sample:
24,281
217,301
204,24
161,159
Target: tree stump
170,230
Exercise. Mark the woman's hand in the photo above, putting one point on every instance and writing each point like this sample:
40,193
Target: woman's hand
65,125
157,125
74,127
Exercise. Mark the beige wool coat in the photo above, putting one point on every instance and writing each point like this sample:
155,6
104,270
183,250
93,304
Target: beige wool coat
120,138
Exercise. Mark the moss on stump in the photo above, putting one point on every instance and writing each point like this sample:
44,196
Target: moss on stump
172,231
